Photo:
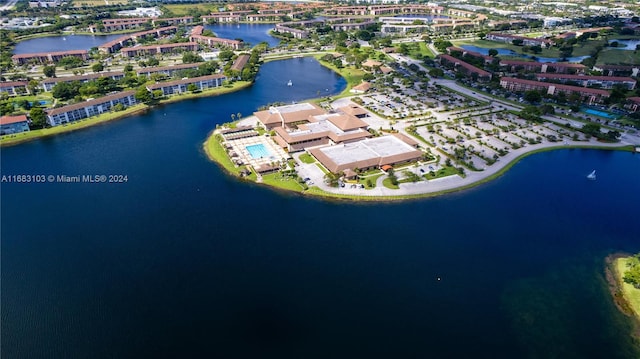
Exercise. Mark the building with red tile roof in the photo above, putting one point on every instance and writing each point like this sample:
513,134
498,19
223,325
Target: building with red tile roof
182,86
80,110
13,124
48,57
159,49
605,82
464,67
543,67
588,95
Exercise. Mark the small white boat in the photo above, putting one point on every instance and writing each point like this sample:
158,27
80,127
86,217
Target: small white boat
592,175
289,83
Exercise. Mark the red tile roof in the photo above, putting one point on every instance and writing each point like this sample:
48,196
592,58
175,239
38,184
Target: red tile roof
7,120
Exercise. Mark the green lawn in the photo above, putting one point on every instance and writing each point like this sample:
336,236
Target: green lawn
321,167
387,183
92,3
419,50
578,50
443,172
286,183
351,74
183,9
612,56
630,293
307,158
216,153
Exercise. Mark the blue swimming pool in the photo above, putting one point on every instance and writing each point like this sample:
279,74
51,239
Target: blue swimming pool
599,113
258,151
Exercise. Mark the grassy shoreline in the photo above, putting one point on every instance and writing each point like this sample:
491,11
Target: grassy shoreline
221,158
626,298
9,140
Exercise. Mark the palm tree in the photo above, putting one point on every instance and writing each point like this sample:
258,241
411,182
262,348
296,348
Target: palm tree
233,117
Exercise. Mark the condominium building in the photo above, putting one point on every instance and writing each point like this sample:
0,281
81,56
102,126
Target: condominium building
182,86
80,110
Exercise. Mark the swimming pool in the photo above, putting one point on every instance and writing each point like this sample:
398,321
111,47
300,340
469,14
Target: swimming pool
599,113
258,151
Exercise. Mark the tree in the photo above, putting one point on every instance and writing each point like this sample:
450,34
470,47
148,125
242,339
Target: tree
632,275
436,72
66,90
591,128
190,57
97,67
493,52
38,117
192,88
49,71
128,68
70,62
532,96
143,95
364,35
225,55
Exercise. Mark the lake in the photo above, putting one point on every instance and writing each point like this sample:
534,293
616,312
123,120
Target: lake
184,261
625,44
508,52
249,33
62,43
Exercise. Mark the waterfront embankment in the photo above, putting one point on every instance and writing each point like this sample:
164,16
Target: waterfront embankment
17,138
625,296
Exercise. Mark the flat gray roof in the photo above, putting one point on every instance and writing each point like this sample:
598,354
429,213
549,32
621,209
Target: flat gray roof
377,147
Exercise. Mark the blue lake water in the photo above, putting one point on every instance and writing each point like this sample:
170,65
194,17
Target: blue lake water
62,43
507,52
184,261
625,44
250,33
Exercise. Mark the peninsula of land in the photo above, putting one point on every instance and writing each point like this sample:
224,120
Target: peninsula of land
434,103
624,287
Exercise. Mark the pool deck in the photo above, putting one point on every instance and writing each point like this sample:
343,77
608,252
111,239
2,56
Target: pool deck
239,146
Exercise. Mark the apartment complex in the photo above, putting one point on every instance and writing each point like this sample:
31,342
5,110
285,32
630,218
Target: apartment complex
80,110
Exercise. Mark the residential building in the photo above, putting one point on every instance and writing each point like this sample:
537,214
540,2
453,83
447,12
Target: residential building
589,95
166,70
632,104
181,86
184,20
13,88
13,124
240,62
543,67
159,49
464,68
508,38
618,70
49,83
212,41
129,39
80,110
48,57
605,82
123,24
